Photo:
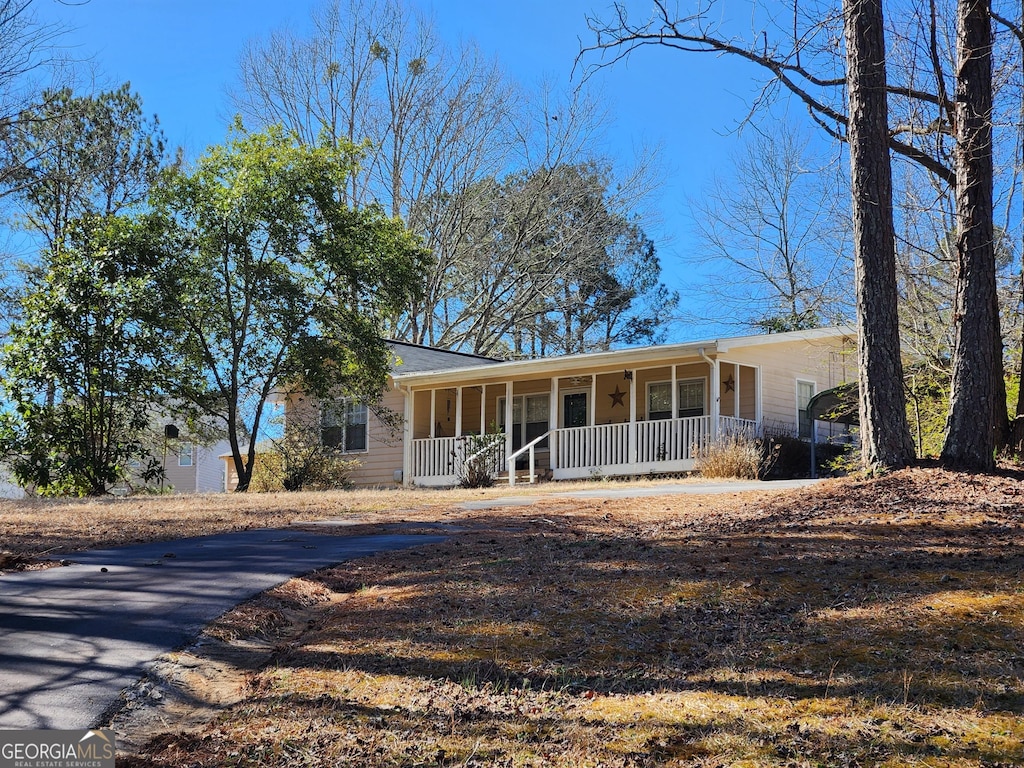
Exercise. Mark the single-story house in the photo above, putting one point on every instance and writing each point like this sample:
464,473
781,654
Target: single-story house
634,411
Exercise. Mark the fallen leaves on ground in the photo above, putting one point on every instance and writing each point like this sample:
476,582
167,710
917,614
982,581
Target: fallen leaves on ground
862,622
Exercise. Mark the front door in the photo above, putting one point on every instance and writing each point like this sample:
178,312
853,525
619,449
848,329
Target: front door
574,409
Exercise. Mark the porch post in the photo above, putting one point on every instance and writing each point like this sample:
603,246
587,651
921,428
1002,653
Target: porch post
458,411
483,409
716,397
553,425
407,436
757,397
675,394
593,401
508,433
676,426
736,390
433,413
633,449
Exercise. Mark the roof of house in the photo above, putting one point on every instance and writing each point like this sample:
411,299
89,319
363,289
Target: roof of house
615,357
416,358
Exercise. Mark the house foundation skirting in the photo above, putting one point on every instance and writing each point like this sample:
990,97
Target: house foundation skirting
625,470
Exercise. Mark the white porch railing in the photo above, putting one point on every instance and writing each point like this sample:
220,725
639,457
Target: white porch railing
662,445
729,426
599,446
672,439
433,460
436,461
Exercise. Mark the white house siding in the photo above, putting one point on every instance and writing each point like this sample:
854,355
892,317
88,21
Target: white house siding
206,475
210,468
181,479
781,365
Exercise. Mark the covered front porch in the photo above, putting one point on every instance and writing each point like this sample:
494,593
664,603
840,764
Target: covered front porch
576,424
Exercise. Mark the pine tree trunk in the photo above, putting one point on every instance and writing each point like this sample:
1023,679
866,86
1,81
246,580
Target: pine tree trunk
885,436
971,431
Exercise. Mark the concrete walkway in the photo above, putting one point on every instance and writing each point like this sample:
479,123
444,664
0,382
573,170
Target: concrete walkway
72,638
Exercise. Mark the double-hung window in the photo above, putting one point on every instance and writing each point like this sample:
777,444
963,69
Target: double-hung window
530,414
343,426
804,393
186,454
690,399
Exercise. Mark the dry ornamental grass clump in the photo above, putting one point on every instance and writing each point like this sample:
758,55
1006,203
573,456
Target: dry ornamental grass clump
860,623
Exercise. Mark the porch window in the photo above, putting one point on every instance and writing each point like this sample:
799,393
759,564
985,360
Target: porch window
536,409
691,399
343,426
804,393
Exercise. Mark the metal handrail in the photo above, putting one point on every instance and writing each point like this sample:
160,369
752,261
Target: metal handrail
511,460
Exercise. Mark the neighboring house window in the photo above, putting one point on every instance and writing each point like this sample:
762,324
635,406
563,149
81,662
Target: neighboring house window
536,409
186,454
344,426
804,393
690,403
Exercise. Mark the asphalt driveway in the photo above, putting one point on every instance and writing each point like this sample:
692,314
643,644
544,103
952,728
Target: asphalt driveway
72,638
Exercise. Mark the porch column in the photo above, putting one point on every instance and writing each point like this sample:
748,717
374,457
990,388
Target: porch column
483,409
433,413
633,448
675,394
716,397
553,425
508,430
736,390
757,397
458,411
676,426
407,435
593,401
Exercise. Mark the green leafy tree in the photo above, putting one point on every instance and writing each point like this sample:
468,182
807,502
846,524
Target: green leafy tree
89,358
283,281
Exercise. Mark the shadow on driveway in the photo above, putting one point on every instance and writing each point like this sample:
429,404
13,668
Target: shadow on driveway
72,638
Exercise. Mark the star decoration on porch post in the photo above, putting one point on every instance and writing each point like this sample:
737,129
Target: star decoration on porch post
730,384
617,396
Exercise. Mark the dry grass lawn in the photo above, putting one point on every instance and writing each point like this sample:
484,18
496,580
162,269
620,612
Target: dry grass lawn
860,623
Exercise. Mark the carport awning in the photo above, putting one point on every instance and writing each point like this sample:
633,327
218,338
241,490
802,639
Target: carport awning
839,405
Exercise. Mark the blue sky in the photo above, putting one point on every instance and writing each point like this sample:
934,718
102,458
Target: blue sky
181,57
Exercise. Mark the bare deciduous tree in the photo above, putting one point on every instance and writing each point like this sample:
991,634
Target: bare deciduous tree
446,134
775,219
26,45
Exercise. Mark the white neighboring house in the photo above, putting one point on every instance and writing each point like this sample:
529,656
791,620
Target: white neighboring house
195,468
